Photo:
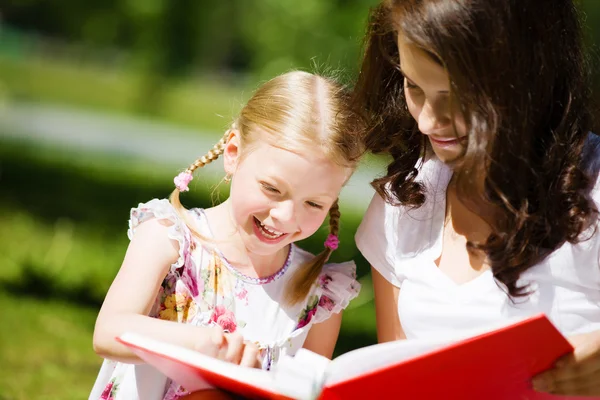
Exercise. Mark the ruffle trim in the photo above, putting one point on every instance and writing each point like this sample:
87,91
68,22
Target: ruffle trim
337,283
338,286
163,209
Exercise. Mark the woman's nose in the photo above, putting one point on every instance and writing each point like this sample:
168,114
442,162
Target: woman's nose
432,119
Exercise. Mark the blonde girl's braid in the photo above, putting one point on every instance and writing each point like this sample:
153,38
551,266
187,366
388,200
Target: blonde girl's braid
211,155
334,221
183,179
306,275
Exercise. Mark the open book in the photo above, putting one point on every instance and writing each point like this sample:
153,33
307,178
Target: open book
497,364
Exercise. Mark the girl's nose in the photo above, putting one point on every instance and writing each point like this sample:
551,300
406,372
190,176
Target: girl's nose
284,213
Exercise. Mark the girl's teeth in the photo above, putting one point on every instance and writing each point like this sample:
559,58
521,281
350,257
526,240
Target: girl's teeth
270,233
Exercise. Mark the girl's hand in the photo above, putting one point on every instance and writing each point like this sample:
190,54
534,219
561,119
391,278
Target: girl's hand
229,347
576,374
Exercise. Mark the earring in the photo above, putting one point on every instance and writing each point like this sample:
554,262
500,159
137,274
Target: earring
227,178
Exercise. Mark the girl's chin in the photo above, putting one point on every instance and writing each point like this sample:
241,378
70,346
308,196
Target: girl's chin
259,249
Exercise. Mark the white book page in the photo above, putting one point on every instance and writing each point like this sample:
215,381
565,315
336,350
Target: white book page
366,359
302,376
251,376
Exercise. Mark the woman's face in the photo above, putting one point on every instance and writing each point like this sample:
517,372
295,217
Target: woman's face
427,91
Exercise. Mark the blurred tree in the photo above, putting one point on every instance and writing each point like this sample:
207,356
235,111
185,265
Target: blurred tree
177,37
97,22
284,34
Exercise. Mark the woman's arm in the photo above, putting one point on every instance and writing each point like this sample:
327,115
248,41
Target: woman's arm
386,309
577,374
323,336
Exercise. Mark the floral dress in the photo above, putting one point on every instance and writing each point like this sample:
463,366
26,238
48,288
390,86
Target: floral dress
202,288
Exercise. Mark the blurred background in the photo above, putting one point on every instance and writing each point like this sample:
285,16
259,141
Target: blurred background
102,103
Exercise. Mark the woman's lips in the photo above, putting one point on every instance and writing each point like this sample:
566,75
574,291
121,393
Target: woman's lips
446,142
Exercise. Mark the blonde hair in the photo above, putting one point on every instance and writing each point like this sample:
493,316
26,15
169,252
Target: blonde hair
297,111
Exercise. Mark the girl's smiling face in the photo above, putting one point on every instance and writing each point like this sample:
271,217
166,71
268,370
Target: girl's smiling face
278,196
427,91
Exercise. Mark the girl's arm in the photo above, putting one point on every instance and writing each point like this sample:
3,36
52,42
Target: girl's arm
386,309
133,292
322,337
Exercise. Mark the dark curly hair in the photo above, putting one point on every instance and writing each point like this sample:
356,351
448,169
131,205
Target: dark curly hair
520,77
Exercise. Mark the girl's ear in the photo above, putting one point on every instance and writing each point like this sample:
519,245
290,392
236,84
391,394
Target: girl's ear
231,152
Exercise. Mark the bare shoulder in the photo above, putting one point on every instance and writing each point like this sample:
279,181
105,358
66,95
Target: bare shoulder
154,229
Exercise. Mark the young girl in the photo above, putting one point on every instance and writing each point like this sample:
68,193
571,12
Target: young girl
216,279
489,209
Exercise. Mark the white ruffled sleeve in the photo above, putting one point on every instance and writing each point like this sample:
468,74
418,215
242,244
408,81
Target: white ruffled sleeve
162,209
338,286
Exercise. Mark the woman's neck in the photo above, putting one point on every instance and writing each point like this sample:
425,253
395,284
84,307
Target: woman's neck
465,221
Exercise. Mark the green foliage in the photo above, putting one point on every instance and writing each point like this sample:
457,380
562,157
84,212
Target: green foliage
175,37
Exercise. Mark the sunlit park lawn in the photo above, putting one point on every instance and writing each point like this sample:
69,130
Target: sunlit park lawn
62,238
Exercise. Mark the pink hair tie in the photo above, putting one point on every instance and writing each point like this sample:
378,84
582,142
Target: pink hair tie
182,180
332,242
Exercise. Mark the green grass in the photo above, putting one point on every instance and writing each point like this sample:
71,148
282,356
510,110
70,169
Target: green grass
46,348
62,239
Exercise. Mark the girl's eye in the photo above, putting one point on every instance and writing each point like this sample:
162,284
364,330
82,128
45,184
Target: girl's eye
269,188
314,205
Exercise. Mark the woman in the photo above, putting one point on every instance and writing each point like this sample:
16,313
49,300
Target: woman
489,208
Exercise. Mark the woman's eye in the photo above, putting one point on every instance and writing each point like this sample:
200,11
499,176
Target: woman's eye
314,205
410,85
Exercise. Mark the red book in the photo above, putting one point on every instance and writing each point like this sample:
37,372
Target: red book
497,364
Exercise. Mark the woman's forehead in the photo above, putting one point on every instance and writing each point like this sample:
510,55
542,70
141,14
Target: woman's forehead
419,66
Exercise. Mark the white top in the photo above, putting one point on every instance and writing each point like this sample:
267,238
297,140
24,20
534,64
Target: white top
402,245
202,288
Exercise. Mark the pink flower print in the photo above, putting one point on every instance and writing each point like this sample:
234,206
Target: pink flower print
242,295
326,303
324,280
107,394
189,277
307,314
225,318
307,317
175,392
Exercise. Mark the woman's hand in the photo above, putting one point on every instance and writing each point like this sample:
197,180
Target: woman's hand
576,374
230,347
